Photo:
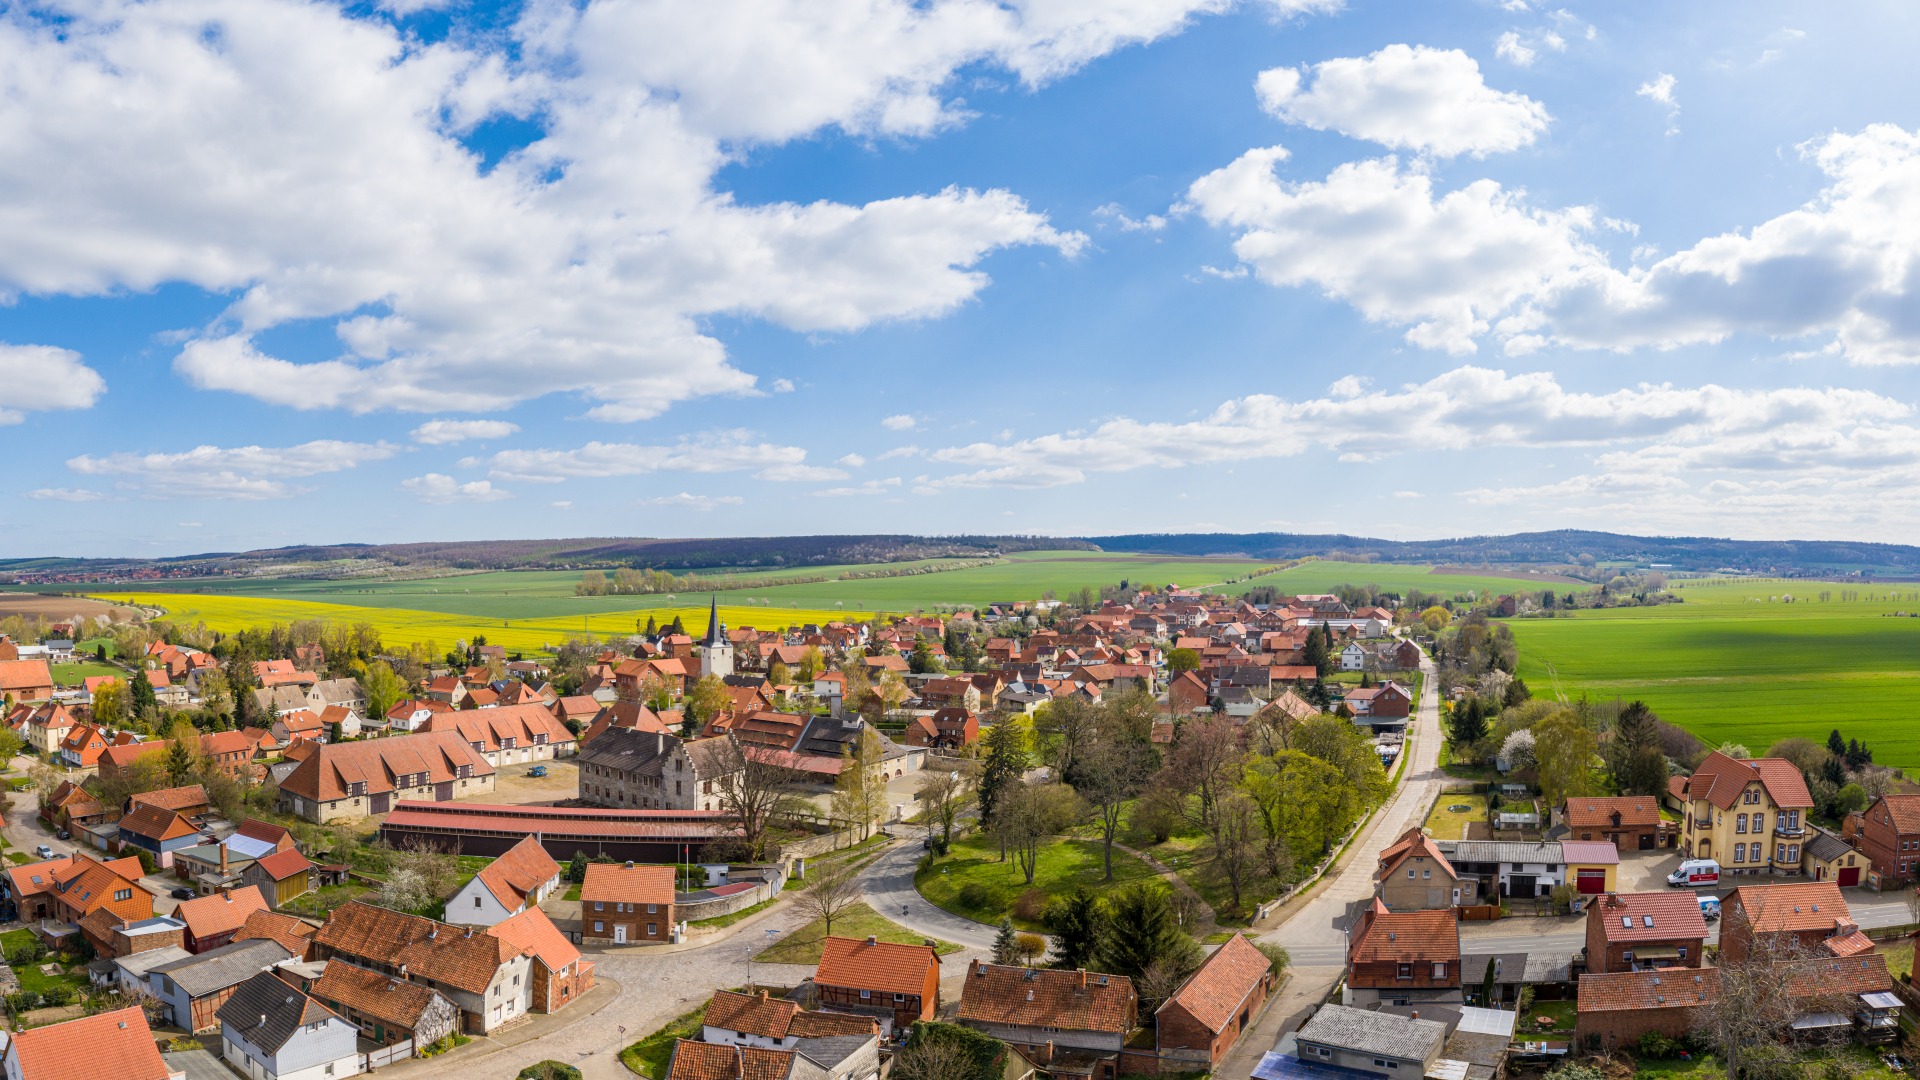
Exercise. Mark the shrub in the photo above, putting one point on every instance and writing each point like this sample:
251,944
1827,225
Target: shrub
1029,906
27,954
56,995
549,1070
176,1045
22,1001
974,895
1655,1045
1575,1070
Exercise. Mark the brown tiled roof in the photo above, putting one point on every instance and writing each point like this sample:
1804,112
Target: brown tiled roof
531,931
1805,905
459,958
1212,995
292,934
489,727
754,1014
118,1044
719,1061
1414,842
820,1025
328,769
1832,977
1848,943
1046,997
173,798
514,876
639,884
126,754
395,1002
208,916
1632,917
1720,780
874,965
1383,936
282,865
1625,991
156,823
24,675
1635,810
1903,808
266,831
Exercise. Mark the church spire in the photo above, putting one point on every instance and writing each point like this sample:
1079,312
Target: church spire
716,634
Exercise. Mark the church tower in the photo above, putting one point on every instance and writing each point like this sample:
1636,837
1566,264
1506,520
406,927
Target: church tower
716,652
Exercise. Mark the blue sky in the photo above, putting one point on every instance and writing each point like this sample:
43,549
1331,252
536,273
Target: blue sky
284,273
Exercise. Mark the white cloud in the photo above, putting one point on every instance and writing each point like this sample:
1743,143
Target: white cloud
800,474
440,489
37,378
900,422
852,461
243,472
685,501
561,504
1660,89
731,451
1405,98
783,386
72,495
1470,408
1509,47
448,432
888,486
900,452
1114,213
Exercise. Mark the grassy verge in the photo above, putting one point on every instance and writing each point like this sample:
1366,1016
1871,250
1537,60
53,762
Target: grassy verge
859,921
649,1056
729,920
972,883
572,893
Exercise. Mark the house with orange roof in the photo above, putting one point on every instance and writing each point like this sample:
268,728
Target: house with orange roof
522,877
630,904
294,935
299,725
82,746
413,713
281,877
759,1019
1078,1019
387,1010
188,800
44,890
1414,875
1195,1027
1402,957
26,681
1889,835
72,807
118,1044
560,974
1853,995
1807,918
158,831
1750,815
1644,932
212,921
488,978
1629,822
46,725
355,779
897,983
509,734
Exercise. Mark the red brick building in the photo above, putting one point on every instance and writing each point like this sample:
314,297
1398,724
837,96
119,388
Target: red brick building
1631,822
1644,931
898,983
1889,836
1196,1027
1403,957
1808,918
1616,1009
1187,694
622,905
560,974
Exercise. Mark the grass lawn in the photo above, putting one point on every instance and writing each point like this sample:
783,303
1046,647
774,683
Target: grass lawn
322,901
1563,1013
1461,770
572,893
19,858
30,975
859,921
1445,824
1899,956
729,920
650,1055
1864,1061
971,881
77,673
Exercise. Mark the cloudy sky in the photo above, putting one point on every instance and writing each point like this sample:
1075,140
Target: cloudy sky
281,272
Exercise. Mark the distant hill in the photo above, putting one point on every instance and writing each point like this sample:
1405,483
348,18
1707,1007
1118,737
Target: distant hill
1558,548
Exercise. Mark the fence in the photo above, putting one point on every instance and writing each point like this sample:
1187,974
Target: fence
387,1055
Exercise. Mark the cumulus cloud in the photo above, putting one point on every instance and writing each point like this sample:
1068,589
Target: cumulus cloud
685,501
1115,213
888,486
448,432
242,472
900,422
38,378
732,451
783,386
1405,98
1660,89
440,489
1666,428
852,461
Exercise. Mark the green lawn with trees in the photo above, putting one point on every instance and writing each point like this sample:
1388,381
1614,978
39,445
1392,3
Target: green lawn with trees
803,946
972,881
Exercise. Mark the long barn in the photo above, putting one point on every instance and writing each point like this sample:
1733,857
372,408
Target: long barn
646,836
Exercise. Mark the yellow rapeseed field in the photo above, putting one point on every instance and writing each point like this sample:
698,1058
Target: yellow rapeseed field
400,626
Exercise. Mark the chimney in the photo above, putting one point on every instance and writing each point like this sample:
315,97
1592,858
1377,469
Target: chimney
1082,972
227,896
223,859
629,864
763,995
1415,1015
871,941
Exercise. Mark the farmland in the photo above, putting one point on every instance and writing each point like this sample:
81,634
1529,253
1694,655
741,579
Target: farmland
1738,662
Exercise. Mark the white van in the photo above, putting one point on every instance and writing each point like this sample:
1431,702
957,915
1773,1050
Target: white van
1695,872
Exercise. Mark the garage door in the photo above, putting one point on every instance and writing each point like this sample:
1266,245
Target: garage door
1590,882
1849,875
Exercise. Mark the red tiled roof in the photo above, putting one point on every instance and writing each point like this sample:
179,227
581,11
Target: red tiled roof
1212,995
1805,905
282,865
192,796
1633,917
292,934
720,1061
1383,936
1902,808
395,1002
631,884
156,823
116,1044
210,916
491,727
754,1014
515,875
1047,997
328,770
24,675
865,964
532,932
1634,810
1414,842
1720,780
460,958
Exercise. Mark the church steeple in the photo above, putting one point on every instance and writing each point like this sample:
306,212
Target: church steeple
716,634
716,652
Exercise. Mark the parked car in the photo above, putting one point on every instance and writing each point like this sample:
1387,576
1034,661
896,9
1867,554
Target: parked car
1709,908
43,851
63,835
182,894
537,770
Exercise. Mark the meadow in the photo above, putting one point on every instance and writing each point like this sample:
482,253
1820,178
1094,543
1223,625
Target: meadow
1748,662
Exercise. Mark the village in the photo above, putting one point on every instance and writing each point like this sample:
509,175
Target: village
1354,846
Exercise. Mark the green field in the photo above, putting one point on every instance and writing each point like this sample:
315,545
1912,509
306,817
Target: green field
1738,662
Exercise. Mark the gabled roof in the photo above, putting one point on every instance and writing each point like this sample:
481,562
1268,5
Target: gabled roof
328,770
118,1044
229,965
491,727
1382,936
460,958
822,1025
875,965
627,884
268,1013
282,865
720,1061
1635,917
1903,808
174,798
210,916
1634,810
292,934
754,1014
1413,842
1720,780
156,823
532,932
1805,905
1629,991
396,1002
1212,995
515,875
1046,997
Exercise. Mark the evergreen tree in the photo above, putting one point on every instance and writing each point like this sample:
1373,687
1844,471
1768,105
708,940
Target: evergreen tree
1314,654
676,627
577,866
1469,722
1006,944
140,691
179,763
1076,921
1517,694
921,660
653,628
1142,931
1006,762
1835,744
1835,771
1858,756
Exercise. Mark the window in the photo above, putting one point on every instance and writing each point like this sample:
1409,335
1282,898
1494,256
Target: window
899,998
599,927
599,905
865,994
1323,1051
1405,972
1440,971
1739,853
476,901
1739,823
123,894
1683,952
1426,873
653,929
1409,873
516,980
653,909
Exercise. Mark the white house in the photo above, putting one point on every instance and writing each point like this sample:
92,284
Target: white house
1353,657
521,878
271,1031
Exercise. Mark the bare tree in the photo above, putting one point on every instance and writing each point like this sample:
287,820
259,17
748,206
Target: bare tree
1114,766
1206,761
754,785
1770,980
829,894
1237,842
1030,814
1064,728
944,793
860,792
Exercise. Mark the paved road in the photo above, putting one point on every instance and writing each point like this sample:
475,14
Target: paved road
888,885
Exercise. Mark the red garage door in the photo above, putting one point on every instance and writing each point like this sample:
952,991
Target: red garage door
1590,882
1849,875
